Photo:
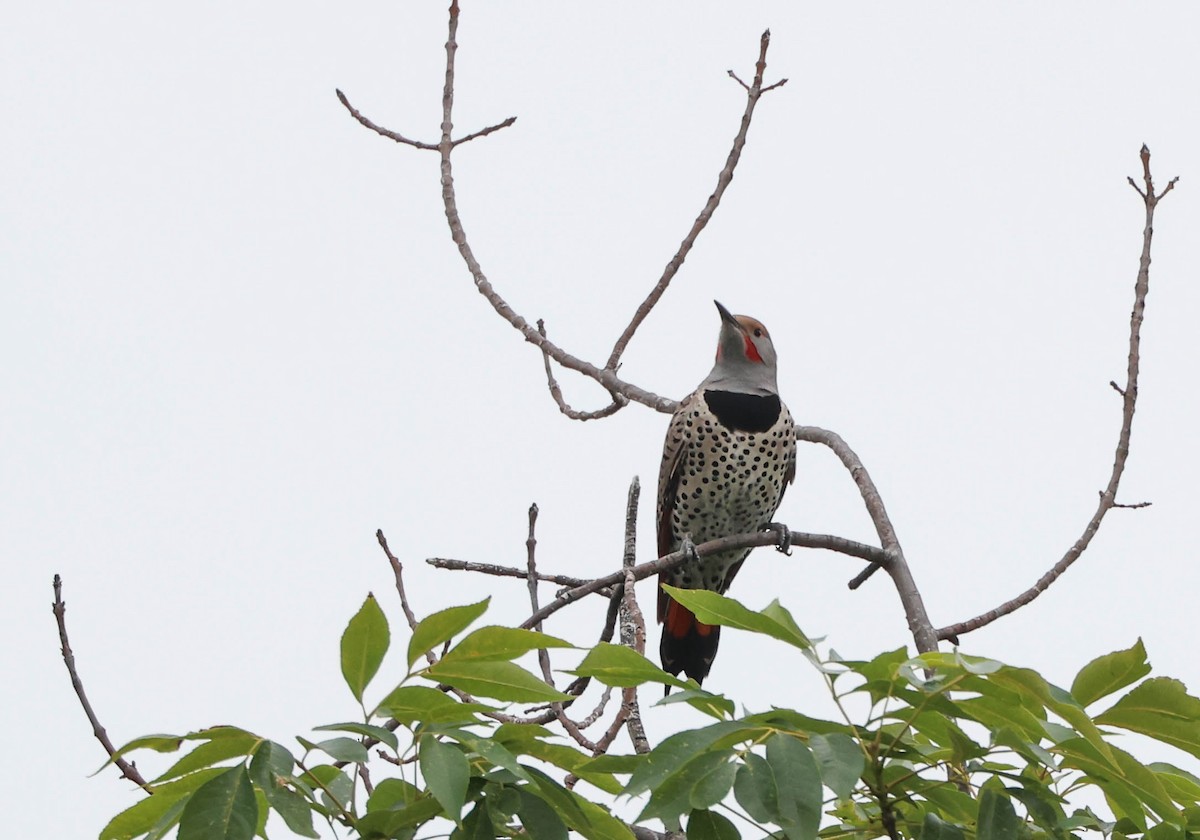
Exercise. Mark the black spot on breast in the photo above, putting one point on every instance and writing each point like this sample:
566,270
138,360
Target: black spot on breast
744,412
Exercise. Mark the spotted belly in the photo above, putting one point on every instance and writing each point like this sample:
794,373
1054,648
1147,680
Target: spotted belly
729,482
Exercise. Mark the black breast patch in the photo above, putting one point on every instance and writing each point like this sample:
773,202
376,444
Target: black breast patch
744,412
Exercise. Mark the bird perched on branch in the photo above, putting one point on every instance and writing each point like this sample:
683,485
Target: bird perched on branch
729,455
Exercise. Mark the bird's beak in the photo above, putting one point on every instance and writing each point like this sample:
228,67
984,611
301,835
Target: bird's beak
727,316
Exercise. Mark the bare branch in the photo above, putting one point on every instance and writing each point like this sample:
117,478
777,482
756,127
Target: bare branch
1129,395
484,132
724,178
380,130
398,573
670,561
622,392
893,555
128,770
504,571
531,566
618,401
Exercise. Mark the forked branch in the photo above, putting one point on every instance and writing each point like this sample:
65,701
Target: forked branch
1129,395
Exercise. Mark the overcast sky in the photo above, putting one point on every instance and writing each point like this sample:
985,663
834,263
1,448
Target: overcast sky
238,338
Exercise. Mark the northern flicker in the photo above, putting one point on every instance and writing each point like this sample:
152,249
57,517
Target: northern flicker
729,455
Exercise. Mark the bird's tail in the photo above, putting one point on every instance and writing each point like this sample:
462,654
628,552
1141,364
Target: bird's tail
687,645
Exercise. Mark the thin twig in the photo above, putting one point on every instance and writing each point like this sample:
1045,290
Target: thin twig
1129,395
398,574
607,376
128,770
501,571
618,401
670,561
572,728
380,130
753,92
416,144
484,132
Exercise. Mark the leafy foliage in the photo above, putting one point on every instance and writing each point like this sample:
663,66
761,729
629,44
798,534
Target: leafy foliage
939,747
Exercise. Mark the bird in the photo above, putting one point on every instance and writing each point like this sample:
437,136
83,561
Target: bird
729,456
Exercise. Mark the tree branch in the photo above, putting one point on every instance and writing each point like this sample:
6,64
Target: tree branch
128,770
502,571
670,561
893,555
622,392
1129,395
753,92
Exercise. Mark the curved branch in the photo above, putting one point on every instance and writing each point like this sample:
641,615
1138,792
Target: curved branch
893,561
60,615
753,92
1129,394
622,392
618,401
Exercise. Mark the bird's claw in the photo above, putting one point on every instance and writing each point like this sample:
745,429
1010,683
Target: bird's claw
784,545
689,550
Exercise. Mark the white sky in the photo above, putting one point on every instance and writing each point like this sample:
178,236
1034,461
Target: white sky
238,338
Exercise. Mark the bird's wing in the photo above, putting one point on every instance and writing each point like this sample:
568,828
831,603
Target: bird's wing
668,483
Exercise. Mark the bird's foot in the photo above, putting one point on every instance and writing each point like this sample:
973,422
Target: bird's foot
784,545
689,550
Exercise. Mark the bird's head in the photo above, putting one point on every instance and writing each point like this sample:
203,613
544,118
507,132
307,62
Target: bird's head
746,358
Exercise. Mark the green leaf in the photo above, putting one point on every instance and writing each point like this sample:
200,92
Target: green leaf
158,743
711,608
167,822
421,704
340,749
271,761
997,817
569,759
712,788
622,667
755,789
1183,787
714,705
842,762
142,816
609,763
210,753
392,793
364,644
400,820
1112,672
494,753
1123,779
709,825
678,749
935,828
800,797
1032,685
271,770
672,798
223,808
498,680
477,825
539,819
441,627
502,643
1162,709
579,814
335,786
379,733
445,770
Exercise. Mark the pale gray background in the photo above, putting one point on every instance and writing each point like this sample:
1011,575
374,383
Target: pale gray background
237,338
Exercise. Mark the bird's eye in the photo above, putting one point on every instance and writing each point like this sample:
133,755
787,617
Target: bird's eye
758,333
